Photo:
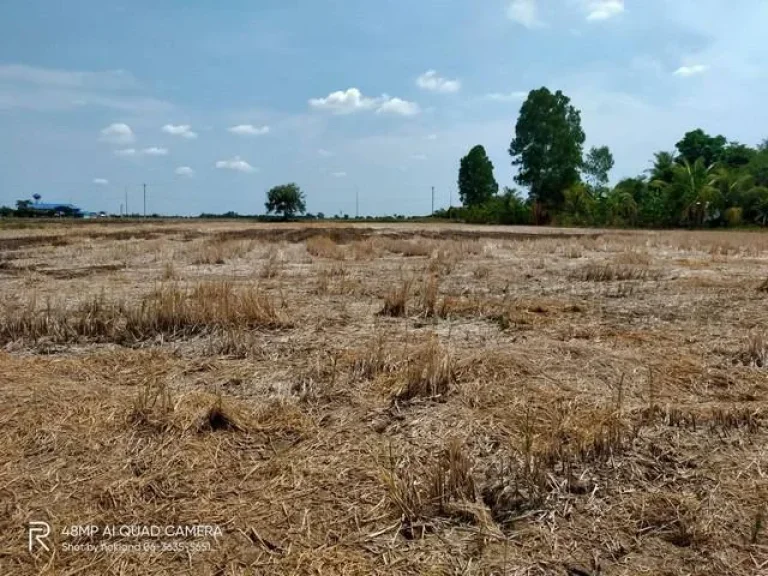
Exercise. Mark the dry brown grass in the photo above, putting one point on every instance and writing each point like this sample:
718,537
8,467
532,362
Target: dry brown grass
396,300
429,373
172,310
176,310
614,273
755,352
525,405
219,250
324,247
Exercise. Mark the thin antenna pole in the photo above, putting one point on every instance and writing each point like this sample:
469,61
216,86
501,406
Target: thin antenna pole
433,201
145,200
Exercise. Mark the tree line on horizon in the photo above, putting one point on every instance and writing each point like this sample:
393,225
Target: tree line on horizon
707,181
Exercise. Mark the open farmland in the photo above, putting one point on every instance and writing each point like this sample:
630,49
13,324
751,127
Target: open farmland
390,399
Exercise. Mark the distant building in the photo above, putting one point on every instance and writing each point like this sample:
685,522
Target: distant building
56,209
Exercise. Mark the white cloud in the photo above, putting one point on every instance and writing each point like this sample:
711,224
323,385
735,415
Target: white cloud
524,12
352,100
687,71
249,130
183,130
154,151
398,107
118,133
344,102
434,83
131,152
185,171
237,164
506,97
324,153
339,174
100,181
431,137
598,10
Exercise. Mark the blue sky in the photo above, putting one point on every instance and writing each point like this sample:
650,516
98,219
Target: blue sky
212,103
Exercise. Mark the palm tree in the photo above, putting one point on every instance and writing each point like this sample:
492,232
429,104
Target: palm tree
663,167
621,206
732,185
692,191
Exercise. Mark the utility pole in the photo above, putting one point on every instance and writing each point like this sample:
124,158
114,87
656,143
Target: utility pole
126,201
145,200
357,203
433,202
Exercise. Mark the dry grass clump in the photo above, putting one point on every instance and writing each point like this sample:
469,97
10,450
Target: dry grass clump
367,249
396,300
169,271
451,306
335,279
676,518
755,352
430,290
613,273
558,448
571,250
218,250
408,248
429,373
171,311
632,257
233,343
204,412
530,312
481,272
177,311
370,361
274,264
200,412
426,496
324,247
95,318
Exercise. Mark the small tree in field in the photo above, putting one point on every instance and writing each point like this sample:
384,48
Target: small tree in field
286,199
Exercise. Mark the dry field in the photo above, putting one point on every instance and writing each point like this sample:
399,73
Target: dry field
385,400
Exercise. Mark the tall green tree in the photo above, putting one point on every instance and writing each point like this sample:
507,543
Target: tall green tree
663,169
698,144
476,182
736,155
597,164
548,146
758,168
286,199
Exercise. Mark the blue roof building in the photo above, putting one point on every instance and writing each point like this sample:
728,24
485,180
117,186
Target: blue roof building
61,207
